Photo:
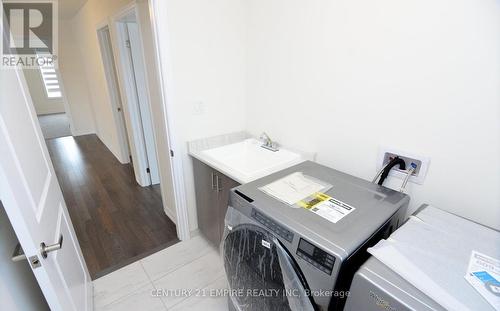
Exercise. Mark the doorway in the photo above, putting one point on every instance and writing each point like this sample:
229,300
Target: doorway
47,93
101,213
116,208
129,73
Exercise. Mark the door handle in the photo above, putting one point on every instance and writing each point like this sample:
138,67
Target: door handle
219,188
18,253
45,249
212,175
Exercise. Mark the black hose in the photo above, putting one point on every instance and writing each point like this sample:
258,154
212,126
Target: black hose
388,168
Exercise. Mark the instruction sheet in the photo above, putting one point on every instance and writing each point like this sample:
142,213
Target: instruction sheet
327,207
483,274
294,187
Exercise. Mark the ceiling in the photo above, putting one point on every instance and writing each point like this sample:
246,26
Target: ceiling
68,8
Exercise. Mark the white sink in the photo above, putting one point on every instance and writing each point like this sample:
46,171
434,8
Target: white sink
247,160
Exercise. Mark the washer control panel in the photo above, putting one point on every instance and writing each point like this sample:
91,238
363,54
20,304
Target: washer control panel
316,256
272,225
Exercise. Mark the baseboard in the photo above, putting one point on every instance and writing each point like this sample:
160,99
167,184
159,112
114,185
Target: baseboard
194,233
49,111
81,133
117,156
170,215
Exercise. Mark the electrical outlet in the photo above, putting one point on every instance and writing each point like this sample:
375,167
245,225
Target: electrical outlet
386,154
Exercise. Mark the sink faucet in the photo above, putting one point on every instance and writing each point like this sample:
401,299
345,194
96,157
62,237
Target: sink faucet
268,143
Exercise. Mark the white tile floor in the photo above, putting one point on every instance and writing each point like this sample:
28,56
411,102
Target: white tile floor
150,284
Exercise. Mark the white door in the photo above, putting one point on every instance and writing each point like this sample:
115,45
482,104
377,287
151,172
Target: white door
34,203
143,100
108,62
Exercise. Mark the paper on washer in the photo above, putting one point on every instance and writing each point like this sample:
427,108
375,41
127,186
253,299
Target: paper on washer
432,251
483,274
294,187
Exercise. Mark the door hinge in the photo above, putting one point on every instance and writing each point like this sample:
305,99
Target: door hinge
127,43
171,153
148,170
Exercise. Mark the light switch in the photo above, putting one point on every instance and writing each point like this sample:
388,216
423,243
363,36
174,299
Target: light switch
198,108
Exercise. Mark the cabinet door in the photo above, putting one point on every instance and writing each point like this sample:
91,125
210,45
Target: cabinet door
206,201
224,184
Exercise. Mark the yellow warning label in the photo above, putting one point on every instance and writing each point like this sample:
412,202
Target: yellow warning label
313,200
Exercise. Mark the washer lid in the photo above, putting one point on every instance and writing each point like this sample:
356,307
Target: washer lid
373,206
261,274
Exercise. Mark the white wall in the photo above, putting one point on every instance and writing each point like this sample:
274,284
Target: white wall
43,104
84,25
207,62
19,289
76,89
344,77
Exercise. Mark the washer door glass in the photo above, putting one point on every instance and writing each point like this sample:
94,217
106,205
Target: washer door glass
260,272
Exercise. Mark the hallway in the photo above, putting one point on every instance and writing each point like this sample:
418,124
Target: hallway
54,125
116,221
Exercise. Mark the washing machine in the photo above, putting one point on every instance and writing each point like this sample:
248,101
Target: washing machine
280,257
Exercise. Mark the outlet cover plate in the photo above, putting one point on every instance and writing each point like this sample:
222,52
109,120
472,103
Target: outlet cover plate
423,164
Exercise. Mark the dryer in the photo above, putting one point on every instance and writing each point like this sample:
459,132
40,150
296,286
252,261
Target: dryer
278,257
426,266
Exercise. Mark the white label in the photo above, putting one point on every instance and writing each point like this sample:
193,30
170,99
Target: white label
483,274
332,210
266,244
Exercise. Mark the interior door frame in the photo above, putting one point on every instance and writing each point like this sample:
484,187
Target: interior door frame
158,17
67,106
136,61
126,85
179,214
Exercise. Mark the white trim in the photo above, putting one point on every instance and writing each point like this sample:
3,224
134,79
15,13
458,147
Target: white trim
127,91
67,108
168,211
160,37
104,23
137,52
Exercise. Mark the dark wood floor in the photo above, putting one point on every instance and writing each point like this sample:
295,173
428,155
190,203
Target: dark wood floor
116,220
